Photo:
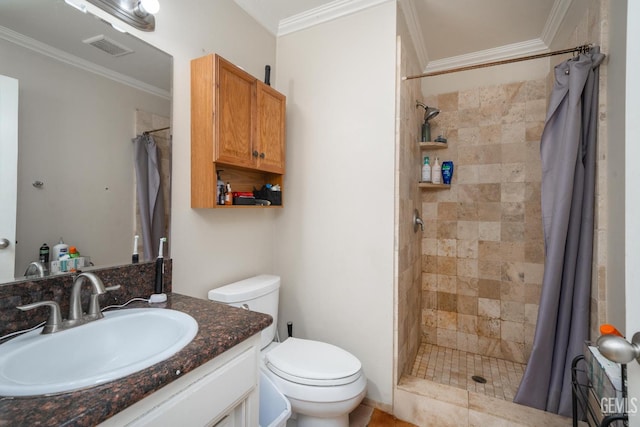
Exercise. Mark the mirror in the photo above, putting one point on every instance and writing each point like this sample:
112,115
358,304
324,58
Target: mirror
79,109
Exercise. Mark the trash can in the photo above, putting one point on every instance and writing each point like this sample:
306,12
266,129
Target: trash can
275,409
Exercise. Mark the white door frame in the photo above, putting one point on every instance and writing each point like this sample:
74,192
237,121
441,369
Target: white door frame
8,173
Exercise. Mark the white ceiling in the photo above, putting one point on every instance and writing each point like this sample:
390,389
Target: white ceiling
445,32
56,29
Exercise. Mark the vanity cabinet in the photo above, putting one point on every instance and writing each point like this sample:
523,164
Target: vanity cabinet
221,392
237,126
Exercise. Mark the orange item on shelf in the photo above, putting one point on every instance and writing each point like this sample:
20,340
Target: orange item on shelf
607,329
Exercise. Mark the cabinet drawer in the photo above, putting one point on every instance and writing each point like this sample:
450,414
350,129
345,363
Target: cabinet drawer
201,397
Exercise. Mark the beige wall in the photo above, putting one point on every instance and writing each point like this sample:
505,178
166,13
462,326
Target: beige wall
408,198
335,235
210,247
75,129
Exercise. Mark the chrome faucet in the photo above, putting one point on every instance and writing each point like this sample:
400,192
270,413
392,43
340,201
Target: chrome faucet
76,317
36,267
75,307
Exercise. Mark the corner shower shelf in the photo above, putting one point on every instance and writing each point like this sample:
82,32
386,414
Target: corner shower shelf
431,186
432,145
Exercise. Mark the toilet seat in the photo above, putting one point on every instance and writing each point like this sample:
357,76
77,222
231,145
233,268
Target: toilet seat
313,363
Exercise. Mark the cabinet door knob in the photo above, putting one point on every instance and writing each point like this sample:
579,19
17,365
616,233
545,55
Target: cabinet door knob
262,155
255,153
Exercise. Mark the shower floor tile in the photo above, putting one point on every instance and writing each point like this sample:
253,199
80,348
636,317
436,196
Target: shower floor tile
455,368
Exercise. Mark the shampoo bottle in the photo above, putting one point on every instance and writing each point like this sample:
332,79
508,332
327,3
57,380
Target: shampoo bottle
426,170
60,250
436,172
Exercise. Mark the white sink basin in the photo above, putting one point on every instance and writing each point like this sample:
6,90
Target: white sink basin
122,343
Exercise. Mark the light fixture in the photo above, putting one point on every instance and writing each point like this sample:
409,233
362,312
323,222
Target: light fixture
137,13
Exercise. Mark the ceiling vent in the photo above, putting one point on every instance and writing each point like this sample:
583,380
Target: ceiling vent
108,45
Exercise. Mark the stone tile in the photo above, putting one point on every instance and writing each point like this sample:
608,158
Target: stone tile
489,347
469,98
514,413
467,286
512,232
533,132
429,246
515,92
512,311
469,118
513,113
513,291
467,249
531,313
533,272
429,299
513,172
489,270
467,323
512,272
429,264
447,337
489,251
467,305
489,308
429,318
467,230
424,411
492,95
512,192
535,110
467,267
513,133
490,114
489,211
489,328
448,211
446,229
536,89
512,251
447,266
448,101
449,302
491,134
481,193
429,282
513,153
489,173
446,283
467,211
489,231
532,293
489,289
446,247
513,212
447,320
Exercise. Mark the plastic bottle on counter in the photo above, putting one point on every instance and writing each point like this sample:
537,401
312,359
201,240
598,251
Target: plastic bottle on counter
436,172
73,252
227,197
426,170
44,253
60,250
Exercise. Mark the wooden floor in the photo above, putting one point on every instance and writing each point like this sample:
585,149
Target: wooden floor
382,419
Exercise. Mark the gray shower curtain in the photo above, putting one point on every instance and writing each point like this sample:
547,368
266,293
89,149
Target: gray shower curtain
568,153
149,194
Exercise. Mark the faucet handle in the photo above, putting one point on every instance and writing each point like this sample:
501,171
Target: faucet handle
94,303
54,322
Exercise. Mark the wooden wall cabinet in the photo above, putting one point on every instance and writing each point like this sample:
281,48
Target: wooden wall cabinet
237,126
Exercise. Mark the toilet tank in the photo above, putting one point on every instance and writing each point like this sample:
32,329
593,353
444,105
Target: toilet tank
258,293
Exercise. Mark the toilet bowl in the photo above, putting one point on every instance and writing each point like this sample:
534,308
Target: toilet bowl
322,382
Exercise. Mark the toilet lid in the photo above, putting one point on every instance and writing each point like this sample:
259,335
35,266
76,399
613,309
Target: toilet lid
313,363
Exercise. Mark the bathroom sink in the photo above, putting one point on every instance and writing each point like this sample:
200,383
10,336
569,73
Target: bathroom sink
124,342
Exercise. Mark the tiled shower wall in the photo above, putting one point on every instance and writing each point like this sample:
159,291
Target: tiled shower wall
482,249
408,244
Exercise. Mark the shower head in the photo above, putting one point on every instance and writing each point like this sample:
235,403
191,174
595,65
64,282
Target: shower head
429,112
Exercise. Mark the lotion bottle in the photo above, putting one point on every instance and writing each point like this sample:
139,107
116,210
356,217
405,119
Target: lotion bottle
60,250
436,172
426,170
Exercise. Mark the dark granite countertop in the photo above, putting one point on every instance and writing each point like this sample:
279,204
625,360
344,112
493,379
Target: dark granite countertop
220,327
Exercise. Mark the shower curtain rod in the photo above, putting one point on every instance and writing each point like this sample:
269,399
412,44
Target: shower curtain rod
579,49
147,132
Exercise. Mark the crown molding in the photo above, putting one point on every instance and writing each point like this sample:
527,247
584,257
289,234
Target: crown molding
261,14
530,47
411,18
556,16
324,13
57,54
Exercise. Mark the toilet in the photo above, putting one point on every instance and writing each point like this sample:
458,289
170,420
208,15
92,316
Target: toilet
322,382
